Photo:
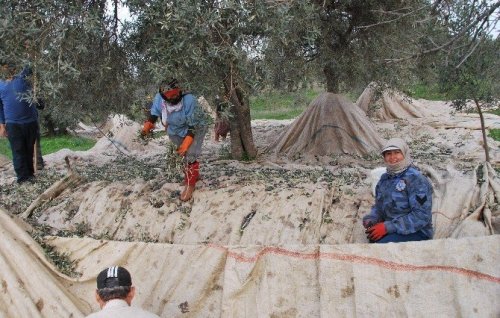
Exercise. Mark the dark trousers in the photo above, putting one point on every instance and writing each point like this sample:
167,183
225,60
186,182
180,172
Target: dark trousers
22,138
39,158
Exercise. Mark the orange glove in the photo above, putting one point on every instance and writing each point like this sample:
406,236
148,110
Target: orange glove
186,143
148,127
376,232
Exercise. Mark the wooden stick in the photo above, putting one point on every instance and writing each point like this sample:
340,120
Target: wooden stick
35,157
71,180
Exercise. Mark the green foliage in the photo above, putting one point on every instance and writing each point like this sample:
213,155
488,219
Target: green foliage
200,44
280,105
80,69
347,44
85,68
61,260
53,144
471,74
423,91
495,111
495,134
473,77
5,148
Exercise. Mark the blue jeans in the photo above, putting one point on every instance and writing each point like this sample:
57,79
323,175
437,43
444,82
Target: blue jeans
395,237
22,138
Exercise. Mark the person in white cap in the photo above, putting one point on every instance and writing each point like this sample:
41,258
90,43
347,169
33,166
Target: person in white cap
114,294
403,200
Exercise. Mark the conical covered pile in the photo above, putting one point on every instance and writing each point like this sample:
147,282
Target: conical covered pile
392,105
330,125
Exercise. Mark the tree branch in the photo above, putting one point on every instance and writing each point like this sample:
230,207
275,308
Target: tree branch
400,16
464,31
468,54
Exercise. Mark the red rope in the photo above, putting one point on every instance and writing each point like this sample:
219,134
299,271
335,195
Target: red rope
239,257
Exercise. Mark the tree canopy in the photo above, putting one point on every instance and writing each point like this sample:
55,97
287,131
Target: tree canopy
89,64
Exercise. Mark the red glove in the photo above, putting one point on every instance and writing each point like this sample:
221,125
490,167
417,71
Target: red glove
186,143
377,231
148,127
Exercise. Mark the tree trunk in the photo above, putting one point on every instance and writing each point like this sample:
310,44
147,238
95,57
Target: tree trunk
241,129
49,125
332,79
483,130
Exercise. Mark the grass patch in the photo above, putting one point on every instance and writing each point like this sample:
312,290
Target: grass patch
53,144
495,111
422,91
5,148
279,105
495,134
288,105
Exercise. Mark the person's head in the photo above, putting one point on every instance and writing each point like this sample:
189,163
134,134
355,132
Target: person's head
397,155
8,69
114,283
170,91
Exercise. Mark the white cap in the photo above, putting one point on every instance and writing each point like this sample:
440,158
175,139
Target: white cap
390,148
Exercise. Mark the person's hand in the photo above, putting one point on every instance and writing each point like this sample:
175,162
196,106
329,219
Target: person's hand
186,143
3,130
376,232
368,223
148,127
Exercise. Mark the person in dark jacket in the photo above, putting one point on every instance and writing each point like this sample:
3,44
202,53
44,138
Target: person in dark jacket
403,200
18,119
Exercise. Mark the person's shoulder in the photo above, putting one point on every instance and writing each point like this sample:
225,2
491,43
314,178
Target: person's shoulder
416,175
413,171
141,313
129,310
157,98
157,101
384,176
189,96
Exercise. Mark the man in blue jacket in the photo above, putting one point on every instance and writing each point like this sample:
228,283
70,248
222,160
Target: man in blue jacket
18,119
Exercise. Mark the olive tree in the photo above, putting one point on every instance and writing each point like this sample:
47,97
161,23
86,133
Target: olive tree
460,54
207,46
351,43
347,43
80,68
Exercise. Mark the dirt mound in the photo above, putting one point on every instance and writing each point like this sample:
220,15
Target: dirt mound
331,124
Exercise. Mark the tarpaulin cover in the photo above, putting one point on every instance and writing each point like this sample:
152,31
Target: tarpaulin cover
446,278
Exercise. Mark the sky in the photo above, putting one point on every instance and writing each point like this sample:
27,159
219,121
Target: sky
123,12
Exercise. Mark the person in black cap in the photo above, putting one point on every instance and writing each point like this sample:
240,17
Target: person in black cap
114,294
